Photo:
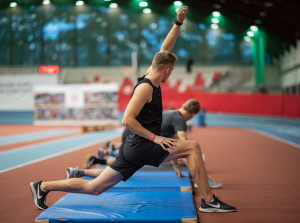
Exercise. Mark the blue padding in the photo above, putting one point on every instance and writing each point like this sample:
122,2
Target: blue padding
152,181
131,207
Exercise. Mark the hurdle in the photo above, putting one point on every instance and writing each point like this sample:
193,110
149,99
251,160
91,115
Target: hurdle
137,200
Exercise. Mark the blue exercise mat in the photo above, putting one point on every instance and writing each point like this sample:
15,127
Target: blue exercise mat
153,181
133,207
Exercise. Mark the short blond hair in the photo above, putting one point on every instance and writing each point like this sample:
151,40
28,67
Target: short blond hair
192,106
163,59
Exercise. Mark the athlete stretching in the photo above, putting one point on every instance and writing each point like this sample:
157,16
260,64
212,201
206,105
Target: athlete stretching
144,146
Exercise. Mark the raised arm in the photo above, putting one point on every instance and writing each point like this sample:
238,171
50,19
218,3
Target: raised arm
170,40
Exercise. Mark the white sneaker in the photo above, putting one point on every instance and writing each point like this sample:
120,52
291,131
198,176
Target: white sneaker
211,184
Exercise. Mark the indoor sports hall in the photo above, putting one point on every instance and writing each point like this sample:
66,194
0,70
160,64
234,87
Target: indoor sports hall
75,74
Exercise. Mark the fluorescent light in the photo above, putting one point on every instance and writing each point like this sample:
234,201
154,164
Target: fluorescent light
216,14
13,4
254,28
215,20
113,5
247,38
178,3
147,11
46,2
214,26
143,4
268,4
250,33
80,3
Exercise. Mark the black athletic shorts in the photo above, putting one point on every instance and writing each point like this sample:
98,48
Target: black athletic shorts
136,152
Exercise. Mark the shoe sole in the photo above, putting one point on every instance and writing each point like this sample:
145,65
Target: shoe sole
67,174
33,191
212,187
210,210
215,187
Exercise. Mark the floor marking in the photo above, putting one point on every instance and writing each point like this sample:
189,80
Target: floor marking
12,139
276,138
32,154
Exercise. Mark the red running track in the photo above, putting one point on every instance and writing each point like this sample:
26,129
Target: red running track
260,177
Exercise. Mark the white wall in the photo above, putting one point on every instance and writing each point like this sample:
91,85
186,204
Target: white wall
76,75
289,60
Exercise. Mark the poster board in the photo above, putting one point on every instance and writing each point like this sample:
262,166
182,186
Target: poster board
88,105
16,90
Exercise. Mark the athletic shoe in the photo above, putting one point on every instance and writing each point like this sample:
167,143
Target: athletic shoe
106,145
89,161
111,147
215,206
101,153
71,173
212,184
39,196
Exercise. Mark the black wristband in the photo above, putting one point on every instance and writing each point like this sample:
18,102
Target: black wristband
177,22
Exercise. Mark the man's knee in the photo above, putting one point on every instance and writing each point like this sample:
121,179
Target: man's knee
94,190
194,147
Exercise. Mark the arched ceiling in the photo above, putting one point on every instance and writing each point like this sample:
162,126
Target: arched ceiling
280,19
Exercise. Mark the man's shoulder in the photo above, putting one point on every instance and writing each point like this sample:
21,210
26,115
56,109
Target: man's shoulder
171,113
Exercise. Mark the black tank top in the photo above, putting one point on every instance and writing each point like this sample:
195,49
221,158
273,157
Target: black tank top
150,117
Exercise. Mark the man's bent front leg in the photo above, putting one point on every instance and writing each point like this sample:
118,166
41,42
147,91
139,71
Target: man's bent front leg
191,150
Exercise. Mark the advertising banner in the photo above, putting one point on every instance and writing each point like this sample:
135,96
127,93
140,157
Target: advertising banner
16,92
88,105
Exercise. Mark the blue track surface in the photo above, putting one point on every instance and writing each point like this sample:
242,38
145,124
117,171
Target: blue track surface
16,117
35,135
24,155
285,129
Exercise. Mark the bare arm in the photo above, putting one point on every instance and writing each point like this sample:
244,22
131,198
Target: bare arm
170,40
182,135
141,96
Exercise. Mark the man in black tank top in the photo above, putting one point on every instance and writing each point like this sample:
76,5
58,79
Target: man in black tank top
173,126
144,146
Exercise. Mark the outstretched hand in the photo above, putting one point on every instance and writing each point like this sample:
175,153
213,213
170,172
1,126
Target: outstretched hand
181,13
